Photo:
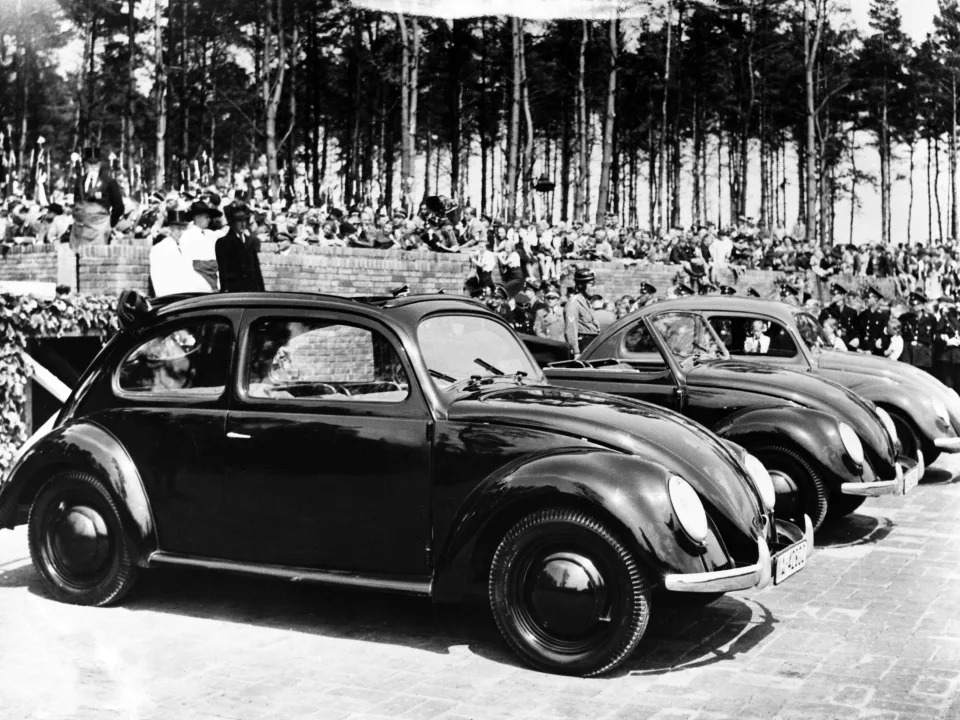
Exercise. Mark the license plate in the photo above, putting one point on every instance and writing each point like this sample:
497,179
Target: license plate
911,479
789,561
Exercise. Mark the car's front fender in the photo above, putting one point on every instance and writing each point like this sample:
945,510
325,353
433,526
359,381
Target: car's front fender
625,490
912,403
814,433
87,447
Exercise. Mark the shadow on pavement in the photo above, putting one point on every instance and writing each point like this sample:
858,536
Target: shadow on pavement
689,637
679,635
853,530
939,476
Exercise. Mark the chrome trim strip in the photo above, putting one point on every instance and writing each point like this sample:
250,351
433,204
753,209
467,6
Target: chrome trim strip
808,534
295,574
875,489
948,444
740,578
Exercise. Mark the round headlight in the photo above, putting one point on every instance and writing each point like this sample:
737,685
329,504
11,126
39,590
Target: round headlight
888,423
761,478
851,443
688,508
941,410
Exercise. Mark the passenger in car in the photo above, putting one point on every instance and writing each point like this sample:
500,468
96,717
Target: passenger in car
757,342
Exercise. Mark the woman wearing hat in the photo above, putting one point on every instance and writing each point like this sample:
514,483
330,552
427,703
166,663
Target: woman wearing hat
580,325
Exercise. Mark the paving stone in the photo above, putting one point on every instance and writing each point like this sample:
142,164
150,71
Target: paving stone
870,629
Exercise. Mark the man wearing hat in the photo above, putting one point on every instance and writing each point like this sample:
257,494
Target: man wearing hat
238,253
846,316
790,294
646,296
523,315
56,224
917,327
199,244
728,290
682,290
549,321
871,322
580,325
98,201
947,343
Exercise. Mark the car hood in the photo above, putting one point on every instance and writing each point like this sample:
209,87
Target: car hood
857,371
804,389
661,436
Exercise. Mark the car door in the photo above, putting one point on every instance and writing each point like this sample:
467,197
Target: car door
636,368
329,436
169,413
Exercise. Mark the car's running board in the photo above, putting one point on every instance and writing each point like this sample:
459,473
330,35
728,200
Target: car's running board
296,574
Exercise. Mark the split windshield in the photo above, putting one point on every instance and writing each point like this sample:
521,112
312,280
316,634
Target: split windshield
458,347
689,336
810,331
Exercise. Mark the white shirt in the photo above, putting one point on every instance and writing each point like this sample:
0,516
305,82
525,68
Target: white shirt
198,244
171,272
757,345
896,348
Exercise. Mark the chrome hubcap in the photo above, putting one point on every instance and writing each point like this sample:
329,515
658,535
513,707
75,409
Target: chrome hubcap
568,595
788,497
80,541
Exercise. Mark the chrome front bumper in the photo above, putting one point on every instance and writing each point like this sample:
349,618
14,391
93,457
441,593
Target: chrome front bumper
758,575
948,444
897,486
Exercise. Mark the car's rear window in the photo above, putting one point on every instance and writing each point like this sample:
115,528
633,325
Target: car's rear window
189,360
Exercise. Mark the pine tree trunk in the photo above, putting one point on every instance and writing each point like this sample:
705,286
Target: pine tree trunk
662,154
953,157
580,200
853,181
929,197
526,177
936,186
160,102
810,54
513,137
609,116
910,204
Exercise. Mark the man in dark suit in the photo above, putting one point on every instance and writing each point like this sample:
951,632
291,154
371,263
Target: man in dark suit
98,201
919,326
872,321
238,257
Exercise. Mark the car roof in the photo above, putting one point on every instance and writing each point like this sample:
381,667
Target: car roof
727,303
402,310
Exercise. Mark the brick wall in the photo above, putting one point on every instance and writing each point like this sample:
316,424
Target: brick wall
346,271
29,262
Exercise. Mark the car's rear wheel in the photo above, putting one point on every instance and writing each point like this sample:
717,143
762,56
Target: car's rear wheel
567,595
77,542
800,490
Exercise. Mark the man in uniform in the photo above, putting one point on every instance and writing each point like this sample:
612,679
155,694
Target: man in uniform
580,325
918,326
845,315
646,296
871,323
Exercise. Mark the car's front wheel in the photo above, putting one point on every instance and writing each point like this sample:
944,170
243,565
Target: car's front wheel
77,542
799,488
567,595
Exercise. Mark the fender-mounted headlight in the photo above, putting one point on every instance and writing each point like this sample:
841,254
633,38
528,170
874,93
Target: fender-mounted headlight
761,478
851,442
888,423
688,508
941,411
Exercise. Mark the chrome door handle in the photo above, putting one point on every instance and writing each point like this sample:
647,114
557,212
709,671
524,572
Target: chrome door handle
238,436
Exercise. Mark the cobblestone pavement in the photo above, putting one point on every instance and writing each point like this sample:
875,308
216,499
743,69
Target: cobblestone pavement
870,629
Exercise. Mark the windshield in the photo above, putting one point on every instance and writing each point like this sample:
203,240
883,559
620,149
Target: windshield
810,331
689,336
458,347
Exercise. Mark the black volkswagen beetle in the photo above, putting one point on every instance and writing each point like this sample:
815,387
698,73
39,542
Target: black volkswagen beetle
406,445
925,412
825,448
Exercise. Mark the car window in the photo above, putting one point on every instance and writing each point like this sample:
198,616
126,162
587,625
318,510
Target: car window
297,359
745,335
189,360
456,347
688,335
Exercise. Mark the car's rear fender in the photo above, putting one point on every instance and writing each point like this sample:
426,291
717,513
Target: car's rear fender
86,447
913,407
625,491
813,433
